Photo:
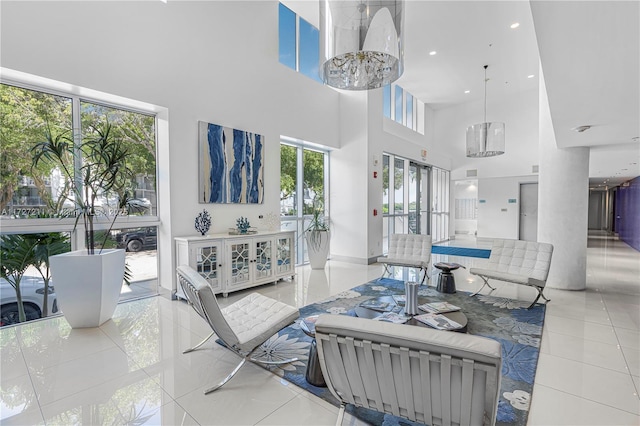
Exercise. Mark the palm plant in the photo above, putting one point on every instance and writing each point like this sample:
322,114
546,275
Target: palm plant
47,244
16,255
104,174
318,223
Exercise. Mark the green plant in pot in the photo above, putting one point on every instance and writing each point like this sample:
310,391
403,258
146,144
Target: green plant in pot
104,176
317,234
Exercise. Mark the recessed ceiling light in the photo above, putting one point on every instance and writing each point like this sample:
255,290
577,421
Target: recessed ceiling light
515,25
530,76
433,52
467,91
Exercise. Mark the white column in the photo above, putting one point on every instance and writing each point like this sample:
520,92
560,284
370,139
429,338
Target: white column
563,201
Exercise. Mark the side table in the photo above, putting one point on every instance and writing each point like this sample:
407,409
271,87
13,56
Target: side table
314,371
446,280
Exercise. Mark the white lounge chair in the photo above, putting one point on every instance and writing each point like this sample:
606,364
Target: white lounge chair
429,376
242,326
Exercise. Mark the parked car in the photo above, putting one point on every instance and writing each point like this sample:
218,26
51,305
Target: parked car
32,289
138,239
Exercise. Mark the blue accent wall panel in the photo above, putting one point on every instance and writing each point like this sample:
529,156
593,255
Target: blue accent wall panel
231,165
628,213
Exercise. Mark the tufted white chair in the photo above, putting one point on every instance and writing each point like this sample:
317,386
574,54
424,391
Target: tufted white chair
408,250
519,262
242,326
428,376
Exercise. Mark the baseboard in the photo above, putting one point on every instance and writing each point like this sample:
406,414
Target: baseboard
356,260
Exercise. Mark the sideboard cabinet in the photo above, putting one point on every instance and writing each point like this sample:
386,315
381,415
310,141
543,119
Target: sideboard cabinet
235,262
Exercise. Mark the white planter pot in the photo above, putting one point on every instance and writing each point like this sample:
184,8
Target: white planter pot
88,286
317,248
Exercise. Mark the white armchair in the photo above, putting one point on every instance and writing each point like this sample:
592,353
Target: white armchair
408,250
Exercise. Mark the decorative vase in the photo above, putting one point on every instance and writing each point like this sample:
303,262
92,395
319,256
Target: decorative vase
203,222
317,248
88,285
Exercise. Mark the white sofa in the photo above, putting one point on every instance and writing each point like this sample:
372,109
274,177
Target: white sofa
408,250
519,262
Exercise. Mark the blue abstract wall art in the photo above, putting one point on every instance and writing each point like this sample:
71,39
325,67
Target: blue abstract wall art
231,165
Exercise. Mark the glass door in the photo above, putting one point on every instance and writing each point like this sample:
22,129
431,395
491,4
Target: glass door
406,191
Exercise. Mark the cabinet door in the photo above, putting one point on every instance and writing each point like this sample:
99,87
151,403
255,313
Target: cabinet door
284,261
238,263
263,258
207,260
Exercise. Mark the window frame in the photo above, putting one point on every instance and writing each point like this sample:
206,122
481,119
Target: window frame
298,43
77,95
391,109
300,218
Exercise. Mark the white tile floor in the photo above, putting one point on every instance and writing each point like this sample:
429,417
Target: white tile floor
131,370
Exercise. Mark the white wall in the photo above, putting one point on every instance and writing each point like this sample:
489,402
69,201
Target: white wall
519,112
464,190
218,62
210,61
348,181
497,217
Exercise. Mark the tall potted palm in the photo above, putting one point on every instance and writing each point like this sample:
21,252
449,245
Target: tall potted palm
317,235
88,282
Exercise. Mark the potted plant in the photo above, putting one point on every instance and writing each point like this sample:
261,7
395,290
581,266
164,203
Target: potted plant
88,282
317,235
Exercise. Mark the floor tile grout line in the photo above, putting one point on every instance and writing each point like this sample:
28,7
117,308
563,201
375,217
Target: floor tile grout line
33,387
588,363
588,399
281,406
615,332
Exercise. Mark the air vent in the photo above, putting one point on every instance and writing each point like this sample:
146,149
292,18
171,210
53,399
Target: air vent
534,168
472,173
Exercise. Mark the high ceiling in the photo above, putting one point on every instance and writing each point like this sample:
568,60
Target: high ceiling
589,52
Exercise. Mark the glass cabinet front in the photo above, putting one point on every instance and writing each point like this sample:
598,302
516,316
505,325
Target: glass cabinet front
207,263
284,260
262,261
239,262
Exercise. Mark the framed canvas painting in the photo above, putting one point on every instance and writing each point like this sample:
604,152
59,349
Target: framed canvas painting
231,165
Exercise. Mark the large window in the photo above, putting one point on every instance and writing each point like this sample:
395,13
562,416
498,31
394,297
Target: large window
33,199
407,191
303,182
299,43
402,107
29,116
440,204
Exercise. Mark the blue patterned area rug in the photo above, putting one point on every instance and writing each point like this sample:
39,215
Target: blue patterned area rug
518,330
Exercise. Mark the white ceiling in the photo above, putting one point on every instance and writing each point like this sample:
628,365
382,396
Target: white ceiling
589,52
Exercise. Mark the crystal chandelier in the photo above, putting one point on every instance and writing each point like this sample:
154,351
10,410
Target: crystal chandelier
485,139
361,43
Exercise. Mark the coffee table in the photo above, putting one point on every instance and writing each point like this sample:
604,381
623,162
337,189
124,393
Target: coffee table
456,316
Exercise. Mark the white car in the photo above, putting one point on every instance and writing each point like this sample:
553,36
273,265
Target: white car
32,289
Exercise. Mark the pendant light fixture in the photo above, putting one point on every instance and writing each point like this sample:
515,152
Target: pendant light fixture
361,43
485,139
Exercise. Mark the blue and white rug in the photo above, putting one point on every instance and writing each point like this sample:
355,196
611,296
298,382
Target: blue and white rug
519,331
